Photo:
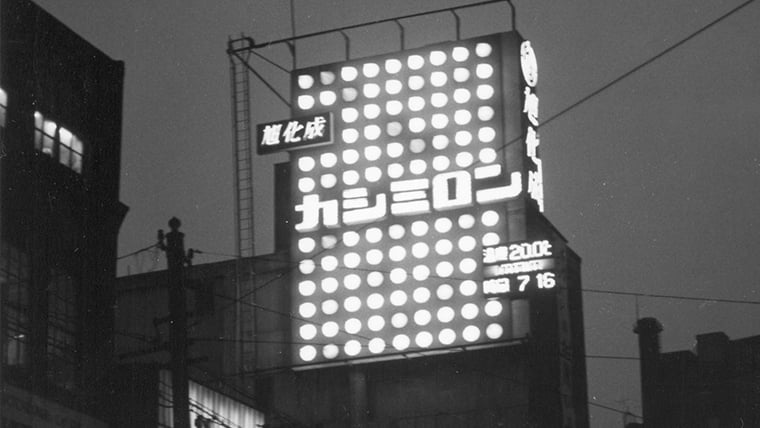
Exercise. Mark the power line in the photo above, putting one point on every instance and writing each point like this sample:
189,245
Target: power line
134,253
597,92
624,412
649,61
673,296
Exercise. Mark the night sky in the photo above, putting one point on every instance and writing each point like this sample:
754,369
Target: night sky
654,180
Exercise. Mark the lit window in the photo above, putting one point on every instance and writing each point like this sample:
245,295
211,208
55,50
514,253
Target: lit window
58,142
3,107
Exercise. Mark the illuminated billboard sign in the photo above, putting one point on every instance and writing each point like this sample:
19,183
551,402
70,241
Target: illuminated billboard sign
518,269
390,221
314,130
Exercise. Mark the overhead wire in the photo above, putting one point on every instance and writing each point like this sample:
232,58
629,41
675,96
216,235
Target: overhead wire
578,103
673,296
136,252
564,111
650,60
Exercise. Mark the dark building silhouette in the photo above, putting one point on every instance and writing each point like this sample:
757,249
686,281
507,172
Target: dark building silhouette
60,114
714,386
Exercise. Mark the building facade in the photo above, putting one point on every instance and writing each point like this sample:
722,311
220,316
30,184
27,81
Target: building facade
223,303
60,114
242,346
417,282
715,385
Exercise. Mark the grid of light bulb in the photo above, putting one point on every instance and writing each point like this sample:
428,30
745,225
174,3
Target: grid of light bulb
406,283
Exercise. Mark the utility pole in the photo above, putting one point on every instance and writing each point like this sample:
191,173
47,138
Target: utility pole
176,259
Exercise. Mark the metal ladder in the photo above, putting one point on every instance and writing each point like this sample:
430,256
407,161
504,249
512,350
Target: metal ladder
241,129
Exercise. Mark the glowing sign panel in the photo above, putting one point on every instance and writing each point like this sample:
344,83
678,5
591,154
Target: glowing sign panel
530,108
518,268
390,220
294,133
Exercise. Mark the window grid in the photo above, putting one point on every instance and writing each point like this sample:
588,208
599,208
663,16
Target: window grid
15,283
61,335
58,142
